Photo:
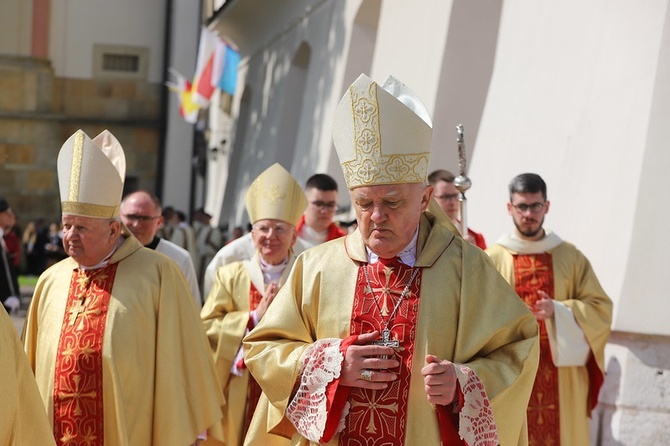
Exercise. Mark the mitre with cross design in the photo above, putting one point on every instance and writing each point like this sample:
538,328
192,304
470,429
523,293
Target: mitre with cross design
276,195
382,134
91,173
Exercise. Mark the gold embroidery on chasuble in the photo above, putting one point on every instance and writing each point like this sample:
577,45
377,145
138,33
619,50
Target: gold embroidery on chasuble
78,399
378,417
533,272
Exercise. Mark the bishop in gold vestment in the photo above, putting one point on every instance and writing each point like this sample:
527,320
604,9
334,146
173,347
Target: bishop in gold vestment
402,332
242,292
158,381
466,313
112,333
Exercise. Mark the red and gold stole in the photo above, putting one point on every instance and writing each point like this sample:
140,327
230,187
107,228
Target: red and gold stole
533,272
378,417
78,386
254,391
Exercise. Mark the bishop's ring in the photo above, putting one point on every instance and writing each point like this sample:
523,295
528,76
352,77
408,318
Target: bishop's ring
366,375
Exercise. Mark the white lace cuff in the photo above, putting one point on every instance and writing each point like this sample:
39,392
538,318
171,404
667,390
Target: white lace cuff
320,364
476,423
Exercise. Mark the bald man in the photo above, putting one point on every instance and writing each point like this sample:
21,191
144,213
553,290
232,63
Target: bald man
141,213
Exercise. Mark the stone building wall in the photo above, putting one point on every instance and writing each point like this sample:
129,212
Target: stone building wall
39,111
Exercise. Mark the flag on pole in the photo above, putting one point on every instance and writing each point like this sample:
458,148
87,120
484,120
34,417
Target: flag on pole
202,81
188,109
227,81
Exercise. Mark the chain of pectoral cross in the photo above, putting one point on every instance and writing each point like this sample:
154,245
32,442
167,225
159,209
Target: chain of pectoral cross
386,332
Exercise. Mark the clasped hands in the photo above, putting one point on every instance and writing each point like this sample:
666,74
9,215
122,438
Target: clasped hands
371,366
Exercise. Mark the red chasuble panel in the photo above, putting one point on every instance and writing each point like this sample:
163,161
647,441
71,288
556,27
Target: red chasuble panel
535,272
78,387
378,417
254,391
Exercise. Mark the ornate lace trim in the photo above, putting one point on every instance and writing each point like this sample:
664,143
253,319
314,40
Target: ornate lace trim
477,426
320,364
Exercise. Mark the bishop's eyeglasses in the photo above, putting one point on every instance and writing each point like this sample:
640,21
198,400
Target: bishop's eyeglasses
140,218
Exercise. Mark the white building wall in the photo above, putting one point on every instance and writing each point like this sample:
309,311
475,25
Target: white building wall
571,98
578,93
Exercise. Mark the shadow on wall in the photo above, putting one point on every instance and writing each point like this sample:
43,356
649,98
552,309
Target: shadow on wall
602,432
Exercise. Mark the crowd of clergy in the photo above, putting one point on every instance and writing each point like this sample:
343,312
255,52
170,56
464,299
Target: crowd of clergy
407,330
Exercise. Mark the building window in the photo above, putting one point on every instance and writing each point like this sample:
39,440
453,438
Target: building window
120,62
127,63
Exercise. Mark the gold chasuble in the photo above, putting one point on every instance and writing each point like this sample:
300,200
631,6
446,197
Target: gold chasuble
326,302
565,390
78,404
119,353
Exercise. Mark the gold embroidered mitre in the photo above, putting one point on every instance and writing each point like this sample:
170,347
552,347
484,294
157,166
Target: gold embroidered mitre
382,134
91,174
276,195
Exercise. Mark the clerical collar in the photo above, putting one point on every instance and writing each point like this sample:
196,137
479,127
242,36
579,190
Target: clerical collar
106,260
312,236
521,246
154,243
272,273
406,256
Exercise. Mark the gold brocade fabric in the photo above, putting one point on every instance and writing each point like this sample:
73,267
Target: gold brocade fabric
467,314
159,382
23,420
576,286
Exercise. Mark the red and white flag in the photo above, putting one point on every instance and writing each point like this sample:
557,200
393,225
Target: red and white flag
204,68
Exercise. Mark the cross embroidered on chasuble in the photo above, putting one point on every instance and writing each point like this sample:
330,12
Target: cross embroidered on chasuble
533,272
78,399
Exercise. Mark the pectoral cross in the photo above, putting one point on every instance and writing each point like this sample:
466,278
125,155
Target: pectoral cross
386,340
76,310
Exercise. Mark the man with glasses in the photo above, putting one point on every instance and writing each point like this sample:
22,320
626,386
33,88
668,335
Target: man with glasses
243,291
558,285
141,213
447,196
316,224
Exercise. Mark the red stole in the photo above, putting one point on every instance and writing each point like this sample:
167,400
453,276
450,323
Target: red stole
78,377
535,272
378,417
254,390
